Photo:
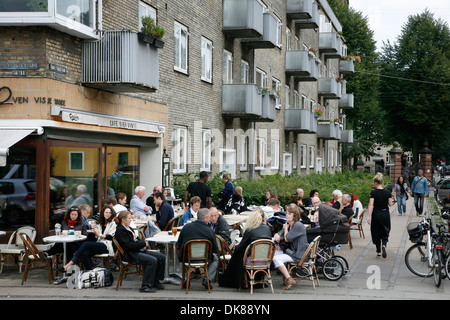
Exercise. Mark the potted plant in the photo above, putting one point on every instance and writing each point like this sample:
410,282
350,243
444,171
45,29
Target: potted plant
339,79
313,51
151,32
318,113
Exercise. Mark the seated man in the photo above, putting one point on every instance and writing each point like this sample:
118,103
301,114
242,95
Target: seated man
194,205
347,203
199,229
164,211
138,206
273,205
219,225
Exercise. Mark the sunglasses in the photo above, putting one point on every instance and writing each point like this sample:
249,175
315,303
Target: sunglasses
74,209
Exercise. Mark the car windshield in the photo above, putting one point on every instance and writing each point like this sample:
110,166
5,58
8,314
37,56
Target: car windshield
31,186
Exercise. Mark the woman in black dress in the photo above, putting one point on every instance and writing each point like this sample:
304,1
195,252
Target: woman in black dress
379,217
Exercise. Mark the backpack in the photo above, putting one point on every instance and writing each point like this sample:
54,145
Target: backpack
99,277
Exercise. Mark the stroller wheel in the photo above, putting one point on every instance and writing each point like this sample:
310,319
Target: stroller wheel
333,269
344,263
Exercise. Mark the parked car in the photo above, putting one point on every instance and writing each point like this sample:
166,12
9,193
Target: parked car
443,191
20,200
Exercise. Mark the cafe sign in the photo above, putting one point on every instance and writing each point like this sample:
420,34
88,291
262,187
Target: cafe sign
102,120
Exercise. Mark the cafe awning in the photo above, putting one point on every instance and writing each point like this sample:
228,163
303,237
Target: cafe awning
10,136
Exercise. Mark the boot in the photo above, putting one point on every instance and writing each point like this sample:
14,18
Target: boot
289,282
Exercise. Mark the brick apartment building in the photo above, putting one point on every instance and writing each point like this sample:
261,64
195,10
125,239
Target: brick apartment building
234,88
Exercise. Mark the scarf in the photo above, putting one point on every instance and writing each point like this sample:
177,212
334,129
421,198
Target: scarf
72,223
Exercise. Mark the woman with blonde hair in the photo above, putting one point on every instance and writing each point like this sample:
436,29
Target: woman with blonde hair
379,218
236,202
255,229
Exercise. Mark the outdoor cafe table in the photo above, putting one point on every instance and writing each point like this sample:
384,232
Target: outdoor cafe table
164,237
64,240
2,233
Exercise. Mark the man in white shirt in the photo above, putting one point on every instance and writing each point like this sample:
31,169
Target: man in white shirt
137,205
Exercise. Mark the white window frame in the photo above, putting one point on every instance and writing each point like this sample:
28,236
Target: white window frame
179,39
245,72
296,99
275,154
304,102
260,153
303,156
263,76
206,150
227,67
207,53
294,155
312,105
287,99
179,150
243,153
279,32
146,10
288,39
312,151
82,160
276,85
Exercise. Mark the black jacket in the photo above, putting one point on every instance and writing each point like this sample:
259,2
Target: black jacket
129,244
192,231
222,228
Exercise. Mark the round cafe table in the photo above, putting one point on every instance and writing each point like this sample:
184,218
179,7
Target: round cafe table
164,237
64,240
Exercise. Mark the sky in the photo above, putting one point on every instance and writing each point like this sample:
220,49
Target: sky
386,17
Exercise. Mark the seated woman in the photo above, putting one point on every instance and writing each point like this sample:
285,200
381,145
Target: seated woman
270,194
135,250
236,202
293,243
72,221
191,213
303,215
255,229
313,193
104,233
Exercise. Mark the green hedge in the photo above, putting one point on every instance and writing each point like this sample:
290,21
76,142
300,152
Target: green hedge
254,190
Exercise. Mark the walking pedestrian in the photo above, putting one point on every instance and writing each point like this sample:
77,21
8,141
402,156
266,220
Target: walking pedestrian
379,218
401,194
419,189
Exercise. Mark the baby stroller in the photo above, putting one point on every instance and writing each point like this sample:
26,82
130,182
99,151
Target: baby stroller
333,229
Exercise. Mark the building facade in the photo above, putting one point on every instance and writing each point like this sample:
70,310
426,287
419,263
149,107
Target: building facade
250,87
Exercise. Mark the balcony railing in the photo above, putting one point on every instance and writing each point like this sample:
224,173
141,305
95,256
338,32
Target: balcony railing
346,136
119,62
269,37
329,88
330,43
347,101
268,112
302,65
300,120
347,66
77,18
312,22
242,100
329,130
299,9
243,18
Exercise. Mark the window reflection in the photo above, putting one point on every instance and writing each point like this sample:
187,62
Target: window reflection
81,11
23,5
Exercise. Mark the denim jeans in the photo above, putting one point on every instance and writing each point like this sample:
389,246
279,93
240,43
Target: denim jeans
418,202
401,204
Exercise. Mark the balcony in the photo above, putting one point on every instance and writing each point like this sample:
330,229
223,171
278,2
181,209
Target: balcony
329,88
328,130
302,65
346,136
309,23
269,37
347,101
242,100
120,63
300,120
330,43
77,18
268,113
299,9
347,66
243,18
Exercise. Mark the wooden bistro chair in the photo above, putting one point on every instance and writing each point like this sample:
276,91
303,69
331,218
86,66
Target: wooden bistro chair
306,267
196,255
124,266
15,246
356,224
260,254
224,255
174,222
33,255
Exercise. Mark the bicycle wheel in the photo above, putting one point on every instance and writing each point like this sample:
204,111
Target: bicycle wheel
437,267
416,260
344,263
333,269
447,266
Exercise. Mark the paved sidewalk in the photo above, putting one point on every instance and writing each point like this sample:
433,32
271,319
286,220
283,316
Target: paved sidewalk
368,278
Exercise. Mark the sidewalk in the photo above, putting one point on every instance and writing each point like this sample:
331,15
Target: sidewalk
368,278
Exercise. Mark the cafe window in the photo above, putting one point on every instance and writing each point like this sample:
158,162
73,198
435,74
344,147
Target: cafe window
76,161
123,158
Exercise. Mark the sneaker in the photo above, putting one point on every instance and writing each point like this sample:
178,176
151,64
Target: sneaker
378,255
147,289
383,249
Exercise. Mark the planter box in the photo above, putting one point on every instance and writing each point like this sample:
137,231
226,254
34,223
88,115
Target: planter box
158,43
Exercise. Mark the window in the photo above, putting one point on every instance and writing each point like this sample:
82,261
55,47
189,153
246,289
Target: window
260,78
279,32
294,155
275,149
123,159
288,39
261,148
245,72
181,47
145,10
206,60
296,43
312,105
296,99
206,150
311,156
76,161
303,156
227,67
287,98
243,152
304,102
179,151
276,86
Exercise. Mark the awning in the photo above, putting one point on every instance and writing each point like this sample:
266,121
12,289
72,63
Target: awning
10,136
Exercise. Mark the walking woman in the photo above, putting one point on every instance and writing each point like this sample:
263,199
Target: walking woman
401,193
379,218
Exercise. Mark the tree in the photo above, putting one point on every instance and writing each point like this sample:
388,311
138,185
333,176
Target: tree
366,118
416,89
